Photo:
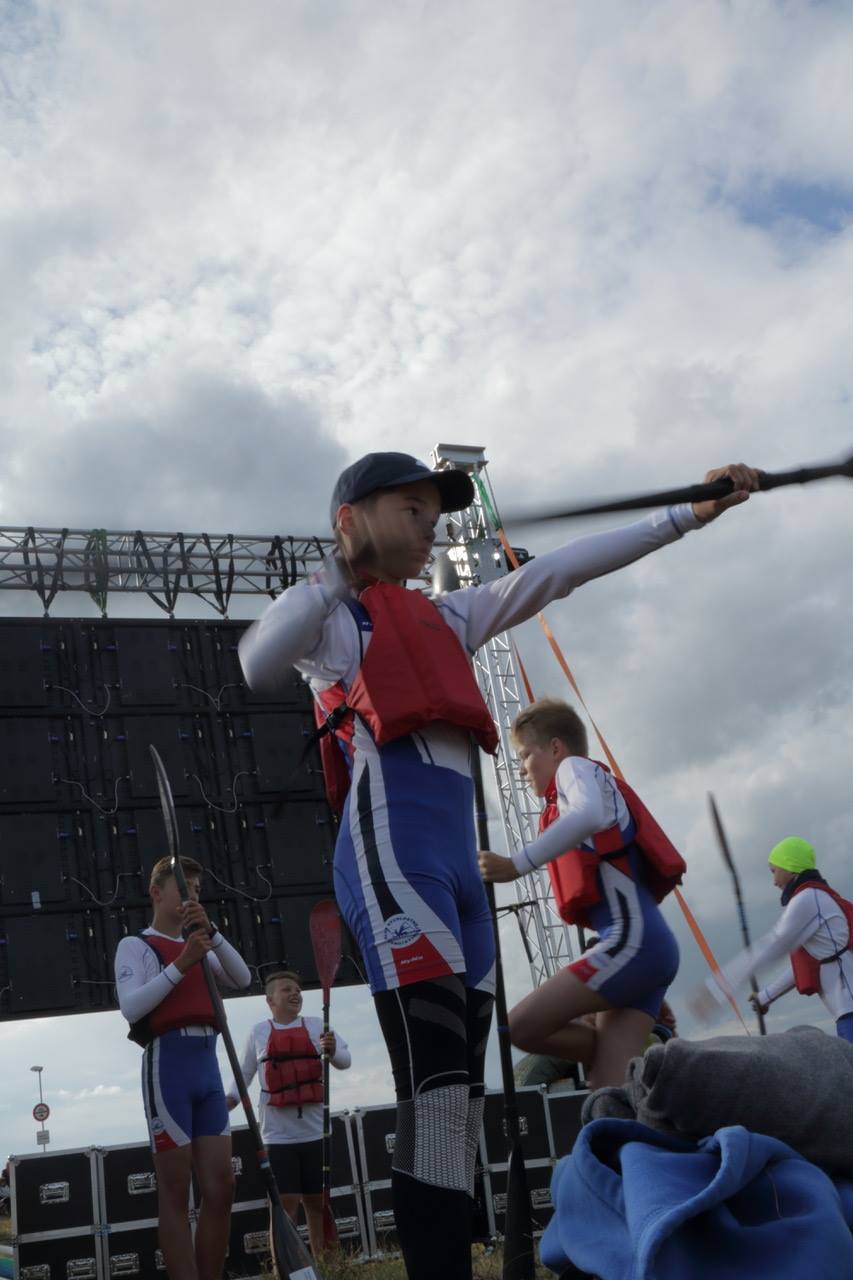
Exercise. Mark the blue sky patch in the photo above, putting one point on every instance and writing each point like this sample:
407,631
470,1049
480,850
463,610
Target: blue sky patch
825,208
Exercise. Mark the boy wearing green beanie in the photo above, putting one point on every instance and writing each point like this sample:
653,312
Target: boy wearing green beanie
815,930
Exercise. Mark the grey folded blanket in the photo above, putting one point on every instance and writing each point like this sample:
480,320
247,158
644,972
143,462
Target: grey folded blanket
796,1086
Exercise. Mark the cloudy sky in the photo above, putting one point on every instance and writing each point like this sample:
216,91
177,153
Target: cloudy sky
613,243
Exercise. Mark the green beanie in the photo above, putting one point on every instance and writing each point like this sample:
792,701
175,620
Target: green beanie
792,854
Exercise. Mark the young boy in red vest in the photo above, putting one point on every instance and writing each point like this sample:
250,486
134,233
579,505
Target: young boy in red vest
815,930
393,671
610,865
286,1050
163,995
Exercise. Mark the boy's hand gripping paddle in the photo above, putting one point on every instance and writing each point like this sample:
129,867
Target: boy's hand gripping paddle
290,1257
744,928
325,926
689,493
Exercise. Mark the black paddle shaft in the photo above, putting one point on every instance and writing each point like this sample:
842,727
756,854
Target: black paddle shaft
744,927
690,493
327,1112
519,1261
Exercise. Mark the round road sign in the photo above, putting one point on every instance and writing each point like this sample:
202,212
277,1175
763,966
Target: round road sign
41,1111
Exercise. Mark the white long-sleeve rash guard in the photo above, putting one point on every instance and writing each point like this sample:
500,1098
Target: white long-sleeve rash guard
142,984
589,801
309,628
811,920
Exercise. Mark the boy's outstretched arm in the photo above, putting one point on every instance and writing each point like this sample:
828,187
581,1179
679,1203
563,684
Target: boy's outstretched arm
478,613
799,921
587,814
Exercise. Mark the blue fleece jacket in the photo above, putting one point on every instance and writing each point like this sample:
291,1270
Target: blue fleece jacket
631,1203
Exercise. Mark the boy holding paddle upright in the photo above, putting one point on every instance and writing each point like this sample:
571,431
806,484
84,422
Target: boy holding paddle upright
163,995
286,1049
392,671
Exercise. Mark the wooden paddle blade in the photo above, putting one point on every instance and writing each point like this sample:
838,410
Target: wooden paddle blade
519,1261
330,1227
290,1257
324,924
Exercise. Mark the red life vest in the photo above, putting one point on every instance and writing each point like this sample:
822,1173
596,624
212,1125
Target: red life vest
187,1005
807,967
414,673
574,881
293,1069
336,774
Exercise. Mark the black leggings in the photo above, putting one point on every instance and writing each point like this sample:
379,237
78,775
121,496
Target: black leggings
436,1033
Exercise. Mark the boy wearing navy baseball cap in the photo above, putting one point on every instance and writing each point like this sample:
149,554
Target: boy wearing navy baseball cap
393,671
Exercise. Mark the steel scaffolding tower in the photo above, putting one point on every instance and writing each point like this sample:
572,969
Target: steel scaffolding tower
479,557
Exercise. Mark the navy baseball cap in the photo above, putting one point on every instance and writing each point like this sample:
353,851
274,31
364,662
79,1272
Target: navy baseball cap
390,471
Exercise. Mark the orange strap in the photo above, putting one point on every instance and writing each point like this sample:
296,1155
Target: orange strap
701,940
703,946
528,687
566,669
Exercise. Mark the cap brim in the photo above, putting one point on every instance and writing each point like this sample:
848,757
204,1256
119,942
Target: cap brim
455,488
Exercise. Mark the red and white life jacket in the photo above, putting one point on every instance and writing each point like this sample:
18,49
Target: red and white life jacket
415,672
293,1069
574,874
187,1005
806,966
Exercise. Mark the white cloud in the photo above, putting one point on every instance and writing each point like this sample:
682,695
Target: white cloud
241,246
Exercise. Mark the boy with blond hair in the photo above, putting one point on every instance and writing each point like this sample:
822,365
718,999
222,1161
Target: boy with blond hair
610,864
163,994
285,1049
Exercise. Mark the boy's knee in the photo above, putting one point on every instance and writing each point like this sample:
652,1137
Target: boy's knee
520,1031
218,1191
227,1183
174,1193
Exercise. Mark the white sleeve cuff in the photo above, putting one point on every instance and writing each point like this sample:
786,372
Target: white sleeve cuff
522,863
684,518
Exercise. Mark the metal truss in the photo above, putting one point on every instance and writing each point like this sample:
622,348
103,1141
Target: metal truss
479,557
163,566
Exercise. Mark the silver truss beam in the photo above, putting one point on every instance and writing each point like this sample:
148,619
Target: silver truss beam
164,566
479,557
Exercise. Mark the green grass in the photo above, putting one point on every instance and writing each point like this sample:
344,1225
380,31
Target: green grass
487,1266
